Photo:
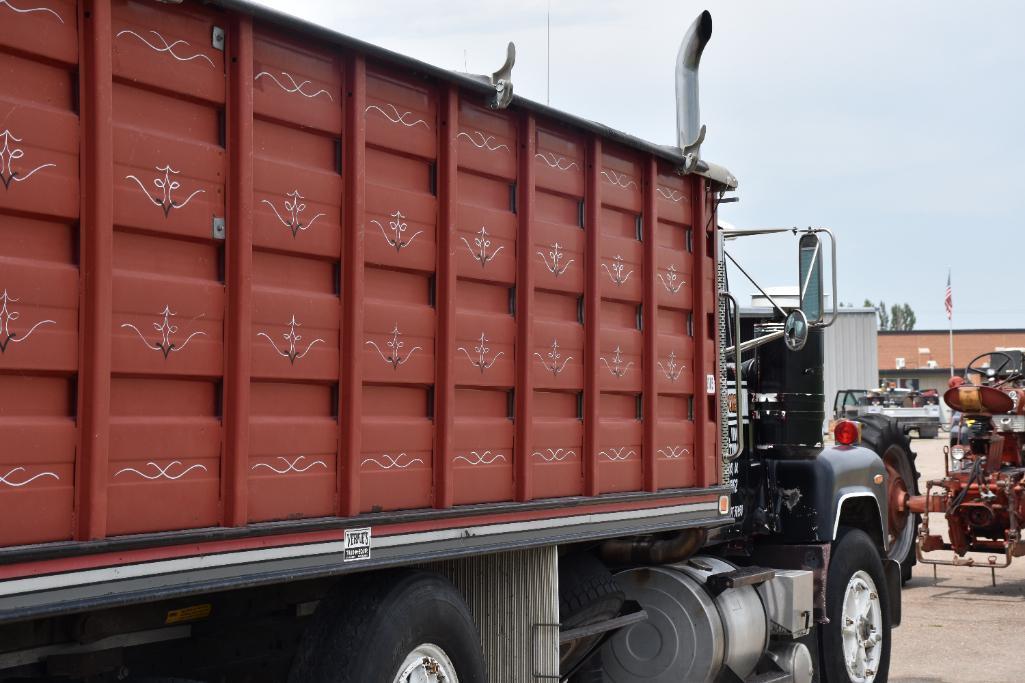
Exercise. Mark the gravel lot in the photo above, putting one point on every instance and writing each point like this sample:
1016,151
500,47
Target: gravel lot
959,627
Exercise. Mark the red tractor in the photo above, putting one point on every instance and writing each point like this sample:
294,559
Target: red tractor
982,493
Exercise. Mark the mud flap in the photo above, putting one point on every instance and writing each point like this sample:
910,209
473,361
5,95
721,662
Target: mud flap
892,570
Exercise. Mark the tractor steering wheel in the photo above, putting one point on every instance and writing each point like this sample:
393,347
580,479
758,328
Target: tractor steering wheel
986,372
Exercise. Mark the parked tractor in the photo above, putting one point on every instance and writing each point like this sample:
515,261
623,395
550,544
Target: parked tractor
982,492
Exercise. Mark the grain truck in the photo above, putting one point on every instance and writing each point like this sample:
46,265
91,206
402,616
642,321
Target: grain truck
321,363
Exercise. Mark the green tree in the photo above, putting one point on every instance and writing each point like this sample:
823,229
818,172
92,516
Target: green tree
884,317
899,316
909,318
896,317
902,318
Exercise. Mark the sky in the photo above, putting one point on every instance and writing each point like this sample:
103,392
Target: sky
899,125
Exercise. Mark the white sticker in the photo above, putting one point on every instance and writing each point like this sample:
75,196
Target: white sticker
357,545
710,383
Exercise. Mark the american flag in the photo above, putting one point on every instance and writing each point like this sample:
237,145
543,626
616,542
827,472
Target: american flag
948,300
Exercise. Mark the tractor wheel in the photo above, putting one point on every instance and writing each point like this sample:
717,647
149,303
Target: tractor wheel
887,439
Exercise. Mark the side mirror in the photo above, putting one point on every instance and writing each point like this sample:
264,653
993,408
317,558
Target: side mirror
795,330
812,300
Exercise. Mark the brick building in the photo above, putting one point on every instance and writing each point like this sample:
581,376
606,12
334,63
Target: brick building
921,358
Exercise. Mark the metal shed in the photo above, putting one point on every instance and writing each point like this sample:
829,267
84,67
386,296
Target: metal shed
851,353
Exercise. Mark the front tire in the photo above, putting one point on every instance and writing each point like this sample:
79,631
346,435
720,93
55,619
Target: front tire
855,644
391,627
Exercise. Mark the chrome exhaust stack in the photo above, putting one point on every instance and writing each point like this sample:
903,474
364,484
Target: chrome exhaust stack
689,131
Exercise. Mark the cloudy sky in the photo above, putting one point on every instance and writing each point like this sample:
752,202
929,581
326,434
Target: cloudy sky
897,124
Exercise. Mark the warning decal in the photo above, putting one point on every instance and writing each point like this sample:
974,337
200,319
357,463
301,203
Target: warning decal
357,545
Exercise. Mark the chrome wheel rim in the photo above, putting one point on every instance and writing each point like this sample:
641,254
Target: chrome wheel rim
426,663
861,628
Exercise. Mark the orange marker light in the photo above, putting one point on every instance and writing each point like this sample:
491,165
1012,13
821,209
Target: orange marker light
847,433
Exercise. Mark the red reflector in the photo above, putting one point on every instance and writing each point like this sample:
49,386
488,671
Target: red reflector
847,433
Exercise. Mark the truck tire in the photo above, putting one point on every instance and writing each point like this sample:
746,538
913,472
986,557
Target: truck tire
588,594
887,439
375,627
854,646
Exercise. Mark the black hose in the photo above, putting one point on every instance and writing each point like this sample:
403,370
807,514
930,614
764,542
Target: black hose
964,492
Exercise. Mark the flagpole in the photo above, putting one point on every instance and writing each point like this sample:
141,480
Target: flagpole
950,318
951,344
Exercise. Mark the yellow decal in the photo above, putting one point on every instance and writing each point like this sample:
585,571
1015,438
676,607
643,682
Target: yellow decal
190,613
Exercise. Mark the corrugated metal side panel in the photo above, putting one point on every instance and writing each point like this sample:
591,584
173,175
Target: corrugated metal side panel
292,327
514,601
851,357
39,271
168,291
672,330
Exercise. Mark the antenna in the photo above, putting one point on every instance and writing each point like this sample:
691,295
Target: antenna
548,85
466,68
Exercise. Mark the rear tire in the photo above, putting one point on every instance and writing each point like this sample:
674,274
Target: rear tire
588,594
857,638
887,439
375,626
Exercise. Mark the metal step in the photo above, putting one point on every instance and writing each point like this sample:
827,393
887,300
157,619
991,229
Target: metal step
742,576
